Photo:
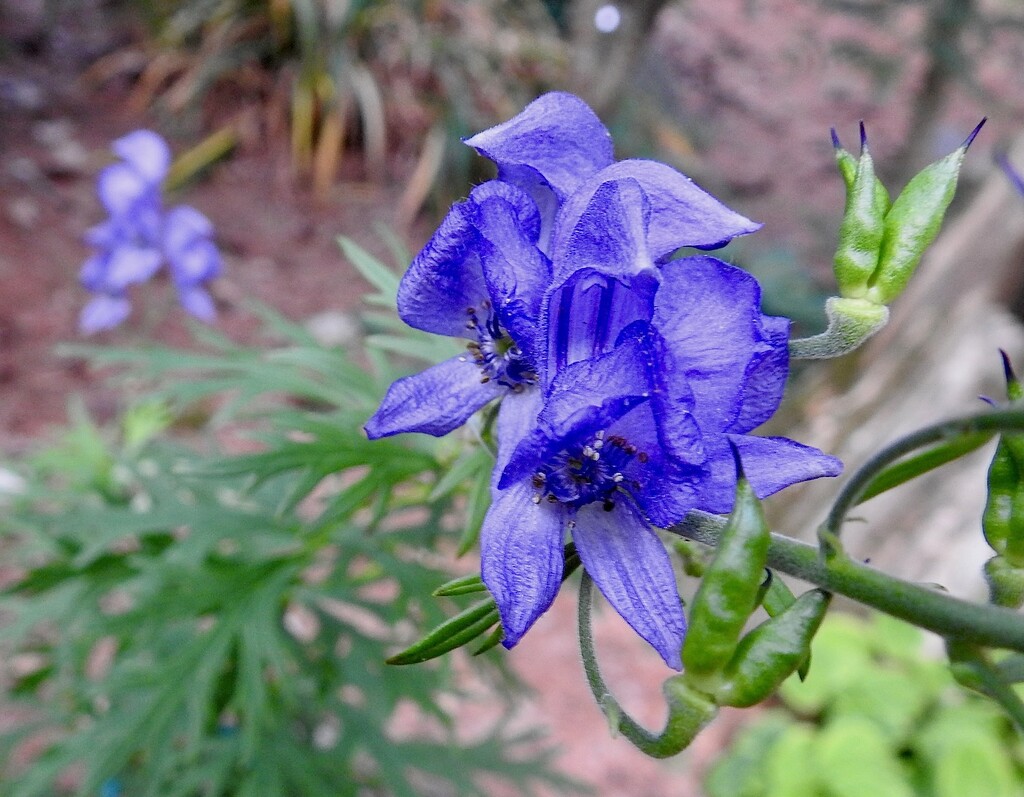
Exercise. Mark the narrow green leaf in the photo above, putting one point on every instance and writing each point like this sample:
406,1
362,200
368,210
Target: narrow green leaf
394,244
415,347
917,465
373,271
476,507
491,641
451,634
469,462
463,585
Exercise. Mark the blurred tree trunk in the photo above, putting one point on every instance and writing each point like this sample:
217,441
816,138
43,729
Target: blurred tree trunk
939,353
942,42
602,62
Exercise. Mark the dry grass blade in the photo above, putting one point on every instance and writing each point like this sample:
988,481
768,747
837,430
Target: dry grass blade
371,111
330,145
303,110
428,167
200,157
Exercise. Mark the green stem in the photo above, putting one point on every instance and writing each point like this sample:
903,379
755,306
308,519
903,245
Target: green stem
1011,669
688,713
850,323
989,681
948,616
992,421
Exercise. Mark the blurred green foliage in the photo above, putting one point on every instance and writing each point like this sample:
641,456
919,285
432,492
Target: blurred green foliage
192,622
875,716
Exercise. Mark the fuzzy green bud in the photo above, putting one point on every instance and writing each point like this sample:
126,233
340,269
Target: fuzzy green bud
1003,518
772,652
729,590
860,235
913,221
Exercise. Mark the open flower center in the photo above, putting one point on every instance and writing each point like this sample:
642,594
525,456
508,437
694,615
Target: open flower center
499,357
587,472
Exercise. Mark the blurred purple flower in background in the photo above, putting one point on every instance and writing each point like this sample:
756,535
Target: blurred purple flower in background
140,236
1015,177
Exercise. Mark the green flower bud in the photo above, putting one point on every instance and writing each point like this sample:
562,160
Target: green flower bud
860,235
728,593
1003,518
772,652
1005,583
913,221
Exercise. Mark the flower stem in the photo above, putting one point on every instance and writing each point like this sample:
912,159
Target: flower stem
688,710
948,616
992,421
850,323
989,680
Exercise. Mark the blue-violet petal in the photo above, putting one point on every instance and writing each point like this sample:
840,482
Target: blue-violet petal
630,566
146,152
434,401
103,312
521,557
557,136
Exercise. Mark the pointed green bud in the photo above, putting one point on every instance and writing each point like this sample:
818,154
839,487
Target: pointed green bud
772,652
778,599
729,590
913,221
1014,391
860,234
1003,518
845,161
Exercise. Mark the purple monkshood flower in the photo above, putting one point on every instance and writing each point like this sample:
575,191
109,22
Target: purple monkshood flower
481,277
634,437
624,375
140,236
485,273
559,152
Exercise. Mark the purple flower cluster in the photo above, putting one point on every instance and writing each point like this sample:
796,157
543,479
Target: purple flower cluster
624,375
140,236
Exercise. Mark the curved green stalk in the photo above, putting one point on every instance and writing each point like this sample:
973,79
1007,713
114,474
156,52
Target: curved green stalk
850,323
688,710
992,421
989,680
